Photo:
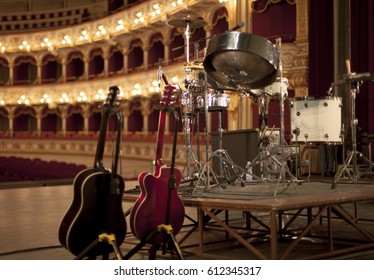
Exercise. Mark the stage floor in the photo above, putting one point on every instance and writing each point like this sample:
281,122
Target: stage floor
305,221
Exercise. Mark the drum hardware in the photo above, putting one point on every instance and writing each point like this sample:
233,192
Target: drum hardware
344,150
276,157
264,106
193,87
229,172
246,61
296,131
355,81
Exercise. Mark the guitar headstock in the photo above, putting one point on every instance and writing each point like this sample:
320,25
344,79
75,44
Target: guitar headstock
170,96
112,96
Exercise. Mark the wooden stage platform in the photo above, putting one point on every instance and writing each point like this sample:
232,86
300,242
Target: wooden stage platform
341,219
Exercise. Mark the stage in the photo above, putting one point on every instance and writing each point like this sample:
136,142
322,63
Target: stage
278,226
307,221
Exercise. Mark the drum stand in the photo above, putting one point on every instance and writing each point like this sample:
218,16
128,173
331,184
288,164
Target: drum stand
229,172
191,157
271,155
354,174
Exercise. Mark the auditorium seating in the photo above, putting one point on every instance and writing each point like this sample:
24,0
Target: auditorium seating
23,169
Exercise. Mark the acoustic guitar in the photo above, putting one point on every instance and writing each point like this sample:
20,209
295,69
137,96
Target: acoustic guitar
97,203
158,203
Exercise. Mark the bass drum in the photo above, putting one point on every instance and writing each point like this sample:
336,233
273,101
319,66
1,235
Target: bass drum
239,59
317,119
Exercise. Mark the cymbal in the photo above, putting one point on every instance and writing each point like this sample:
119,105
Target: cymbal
183,22
349,78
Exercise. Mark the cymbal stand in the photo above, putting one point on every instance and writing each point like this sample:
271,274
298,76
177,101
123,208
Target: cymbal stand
187,118
354,175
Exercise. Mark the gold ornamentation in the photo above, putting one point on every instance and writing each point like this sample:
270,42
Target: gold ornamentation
256,5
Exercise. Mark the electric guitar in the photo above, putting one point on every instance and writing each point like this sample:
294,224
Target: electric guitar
158,203
97,203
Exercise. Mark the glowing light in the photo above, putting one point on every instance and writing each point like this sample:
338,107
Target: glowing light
82,97
64,98
100,95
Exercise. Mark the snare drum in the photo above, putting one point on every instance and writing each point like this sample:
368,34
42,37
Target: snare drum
216,101
317,119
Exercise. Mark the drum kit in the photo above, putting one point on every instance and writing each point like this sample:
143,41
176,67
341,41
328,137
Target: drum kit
251,65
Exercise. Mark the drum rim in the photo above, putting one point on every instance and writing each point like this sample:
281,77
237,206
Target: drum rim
306,98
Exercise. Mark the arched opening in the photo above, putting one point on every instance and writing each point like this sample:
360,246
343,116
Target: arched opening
96,63
74,66
25,70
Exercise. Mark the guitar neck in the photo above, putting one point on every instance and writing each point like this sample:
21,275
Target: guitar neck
98,163
107,111
118,143
160,140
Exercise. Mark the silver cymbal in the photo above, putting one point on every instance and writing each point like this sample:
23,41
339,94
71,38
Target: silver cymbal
183,22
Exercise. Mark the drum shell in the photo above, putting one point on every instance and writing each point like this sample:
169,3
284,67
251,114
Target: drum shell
216,101
318,119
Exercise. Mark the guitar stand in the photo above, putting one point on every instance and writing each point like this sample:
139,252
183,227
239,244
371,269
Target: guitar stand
104,237
166,229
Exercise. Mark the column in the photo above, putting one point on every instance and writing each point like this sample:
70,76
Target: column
125,109
38,111
299,72
63,65
86,60
62,109
232,112
146,111
125,54
39,72
106,61
11,72
10,110
86,116
145,55
166,51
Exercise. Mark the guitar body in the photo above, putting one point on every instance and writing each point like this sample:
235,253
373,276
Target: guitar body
150,209
97,202
159,202
88,215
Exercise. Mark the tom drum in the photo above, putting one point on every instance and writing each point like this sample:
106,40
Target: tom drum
216,101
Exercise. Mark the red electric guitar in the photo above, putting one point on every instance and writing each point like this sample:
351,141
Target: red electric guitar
97,204
158,203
